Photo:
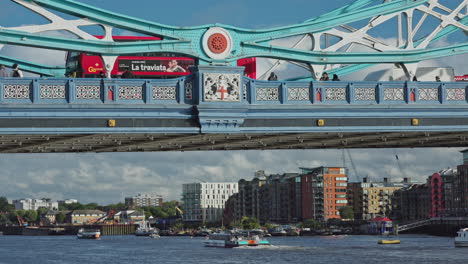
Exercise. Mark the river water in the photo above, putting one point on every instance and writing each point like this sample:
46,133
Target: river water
181,250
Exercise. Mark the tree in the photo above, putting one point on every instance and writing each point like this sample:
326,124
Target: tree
30,216
60,218
4,220
347,212
268,226
312,224
177,225
5,206
249,223
41,212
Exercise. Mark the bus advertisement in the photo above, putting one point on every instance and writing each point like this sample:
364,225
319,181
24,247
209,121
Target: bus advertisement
149,65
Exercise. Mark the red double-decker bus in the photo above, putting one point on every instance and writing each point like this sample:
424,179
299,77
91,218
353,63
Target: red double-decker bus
150,65
463,78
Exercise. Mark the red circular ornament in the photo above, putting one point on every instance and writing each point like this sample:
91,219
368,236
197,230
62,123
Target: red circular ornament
217,43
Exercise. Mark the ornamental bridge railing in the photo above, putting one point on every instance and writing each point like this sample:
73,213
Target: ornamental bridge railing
187,91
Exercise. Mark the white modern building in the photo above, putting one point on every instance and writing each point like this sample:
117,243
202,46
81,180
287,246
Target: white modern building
204,202
34,204
68,201
144,199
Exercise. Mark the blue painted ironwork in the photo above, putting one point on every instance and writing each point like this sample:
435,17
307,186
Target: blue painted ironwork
245,43
275,101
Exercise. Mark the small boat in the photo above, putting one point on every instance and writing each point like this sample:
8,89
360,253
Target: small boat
387,241
88,233
144,229
222,240
154,236
461,240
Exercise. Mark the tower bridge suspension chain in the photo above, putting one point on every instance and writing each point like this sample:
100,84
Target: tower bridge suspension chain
354,48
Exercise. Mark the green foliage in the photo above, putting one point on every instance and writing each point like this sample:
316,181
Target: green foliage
160,212
60,217
312,224
4,219
235,224
346,212
177,225
268,226
249,223
5,206
30,216
41,212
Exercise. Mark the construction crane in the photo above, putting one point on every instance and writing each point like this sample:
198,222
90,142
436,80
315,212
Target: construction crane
107,218
403,173
351,161
20,220
179,211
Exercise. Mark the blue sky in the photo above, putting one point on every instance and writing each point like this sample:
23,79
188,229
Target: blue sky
108,178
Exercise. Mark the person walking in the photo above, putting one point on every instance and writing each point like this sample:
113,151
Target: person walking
16,72
415,79
127,75
335,78
437,79
3,72
273,77
324,77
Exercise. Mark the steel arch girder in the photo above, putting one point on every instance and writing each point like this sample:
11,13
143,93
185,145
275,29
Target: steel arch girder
40,69
191,36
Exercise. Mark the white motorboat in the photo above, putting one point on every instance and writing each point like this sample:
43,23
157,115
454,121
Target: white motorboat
88,233
461,240
144,229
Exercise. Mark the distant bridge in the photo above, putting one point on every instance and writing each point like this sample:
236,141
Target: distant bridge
107,115
448,222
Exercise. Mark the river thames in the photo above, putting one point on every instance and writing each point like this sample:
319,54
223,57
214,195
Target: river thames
131,249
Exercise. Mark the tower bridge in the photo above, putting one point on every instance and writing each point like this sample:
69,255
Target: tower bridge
216,107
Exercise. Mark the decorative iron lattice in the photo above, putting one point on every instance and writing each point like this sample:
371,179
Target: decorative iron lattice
364,94
335,94
188,89
164,92
130,92
88,92
52,92
298,94
394,94
11,91
455,94
267,94
428,94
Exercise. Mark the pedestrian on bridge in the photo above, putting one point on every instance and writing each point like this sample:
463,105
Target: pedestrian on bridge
273,77
127,75
324,77
3,72
336,78
16,72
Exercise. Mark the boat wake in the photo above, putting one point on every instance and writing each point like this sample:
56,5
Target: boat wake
272,247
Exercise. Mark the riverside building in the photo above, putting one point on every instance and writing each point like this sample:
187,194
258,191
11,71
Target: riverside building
143,200
205,202
34,204
323,192
372,199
